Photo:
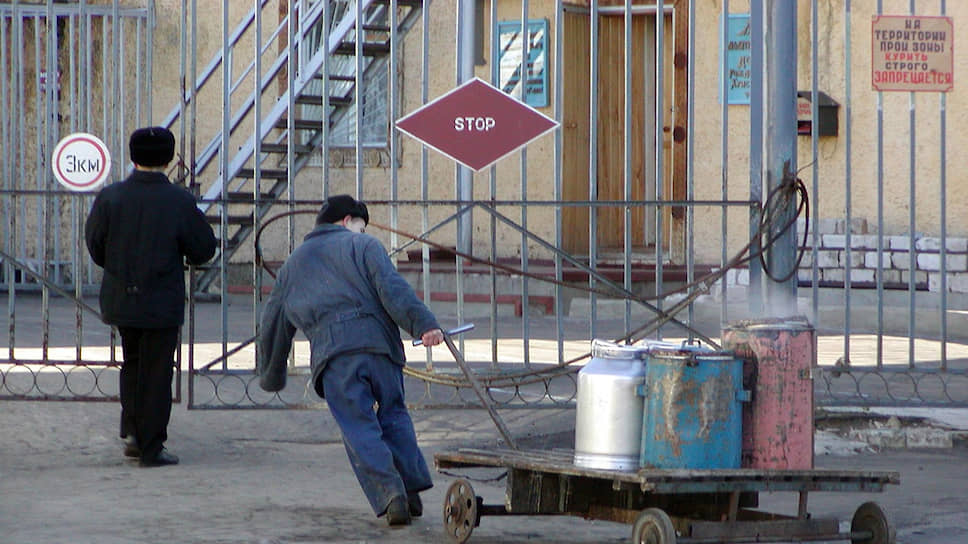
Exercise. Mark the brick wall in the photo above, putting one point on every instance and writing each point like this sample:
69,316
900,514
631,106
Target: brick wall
832,258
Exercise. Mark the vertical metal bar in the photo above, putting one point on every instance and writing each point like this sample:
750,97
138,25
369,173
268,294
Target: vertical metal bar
815,192
755,289
463,177
291,126
848,174
781,140
38,184
137,75
45,132
116,89
690,156
358,97
424,172
559,99
495,74
394,135
593,169
16,129
257,154
880,209
51,109
121,117
459,171
525,78
912,220
149,62
942,154
189,95
814,149
627,171
111,139
326,69
659,152
5,159
183,175
224,165
192,114
7,115
465,72
724,158
76,217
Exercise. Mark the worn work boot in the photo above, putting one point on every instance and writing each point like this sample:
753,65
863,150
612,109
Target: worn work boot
415,504
398,511
163,458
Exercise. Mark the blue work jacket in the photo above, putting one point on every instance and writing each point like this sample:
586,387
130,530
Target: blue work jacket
341,289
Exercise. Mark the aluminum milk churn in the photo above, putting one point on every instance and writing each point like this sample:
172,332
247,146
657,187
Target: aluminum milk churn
608,426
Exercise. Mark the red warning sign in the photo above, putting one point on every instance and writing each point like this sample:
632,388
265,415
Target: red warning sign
476,124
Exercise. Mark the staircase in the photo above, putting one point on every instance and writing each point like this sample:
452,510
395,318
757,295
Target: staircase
323,85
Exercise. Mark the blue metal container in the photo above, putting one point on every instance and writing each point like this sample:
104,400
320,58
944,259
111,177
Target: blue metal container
692,410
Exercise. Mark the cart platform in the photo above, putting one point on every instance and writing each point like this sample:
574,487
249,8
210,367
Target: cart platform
665,506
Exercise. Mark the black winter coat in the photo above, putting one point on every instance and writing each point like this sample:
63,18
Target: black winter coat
140,231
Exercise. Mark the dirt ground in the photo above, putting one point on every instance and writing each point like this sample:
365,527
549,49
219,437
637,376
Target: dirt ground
275,477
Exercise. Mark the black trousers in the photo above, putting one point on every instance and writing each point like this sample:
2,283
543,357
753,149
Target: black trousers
145,386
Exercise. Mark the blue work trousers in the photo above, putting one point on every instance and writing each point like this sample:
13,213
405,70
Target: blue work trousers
364,392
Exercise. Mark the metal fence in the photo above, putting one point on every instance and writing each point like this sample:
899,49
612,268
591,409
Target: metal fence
66,68
662,250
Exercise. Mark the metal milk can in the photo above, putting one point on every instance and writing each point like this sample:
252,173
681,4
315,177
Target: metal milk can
608,426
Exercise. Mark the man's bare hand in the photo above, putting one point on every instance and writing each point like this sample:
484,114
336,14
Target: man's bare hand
432,337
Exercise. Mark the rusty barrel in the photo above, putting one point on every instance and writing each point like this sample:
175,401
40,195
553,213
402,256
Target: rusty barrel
778,358
693,412
608,416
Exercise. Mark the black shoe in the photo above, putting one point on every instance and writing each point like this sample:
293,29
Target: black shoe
415,504
131,448
398,512
161,459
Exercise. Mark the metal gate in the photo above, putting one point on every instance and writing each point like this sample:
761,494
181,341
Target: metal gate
644,216
66,68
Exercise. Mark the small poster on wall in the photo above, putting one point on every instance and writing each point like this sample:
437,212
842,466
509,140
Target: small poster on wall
912,53
735,67
532,87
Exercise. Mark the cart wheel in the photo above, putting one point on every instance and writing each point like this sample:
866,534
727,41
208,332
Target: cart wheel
871,517
653,526
460,511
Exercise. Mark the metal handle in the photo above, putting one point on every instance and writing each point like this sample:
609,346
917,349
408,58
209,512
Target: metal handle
456,330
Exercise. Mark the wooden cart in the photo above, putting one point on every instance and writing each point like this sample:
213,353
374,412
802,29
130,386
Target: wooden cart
663,506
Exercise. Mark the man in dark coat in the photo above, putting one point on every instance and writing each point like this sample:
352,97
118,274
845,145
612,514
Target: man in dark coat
140,231
340,288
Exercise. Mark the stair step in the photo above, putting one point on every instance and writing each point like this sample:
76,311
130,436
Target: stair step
284,148
245,197
268,173
243,220
404,3
316,100
300,124
338,77
370,49
376,28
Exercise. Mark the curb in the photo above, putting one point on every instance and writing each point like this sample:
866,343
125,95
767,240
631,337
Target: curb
890,431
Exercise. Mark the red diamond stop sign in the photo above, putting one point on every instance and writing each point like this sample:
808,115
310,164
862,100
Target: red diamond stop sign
476,124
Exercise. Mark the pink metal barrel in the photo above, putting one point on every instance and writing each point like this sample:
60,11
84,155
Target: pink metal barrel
778,356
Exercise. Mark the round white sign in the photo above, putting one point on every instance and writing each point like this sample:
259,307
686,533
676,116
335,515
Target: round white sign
81,162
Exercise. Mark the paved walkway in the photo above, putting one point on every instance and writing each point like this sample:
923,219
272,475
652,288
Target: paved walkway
281,476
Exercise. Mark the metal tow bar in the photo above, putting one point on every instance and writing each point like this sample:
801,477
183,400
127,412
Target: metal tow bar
475,385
